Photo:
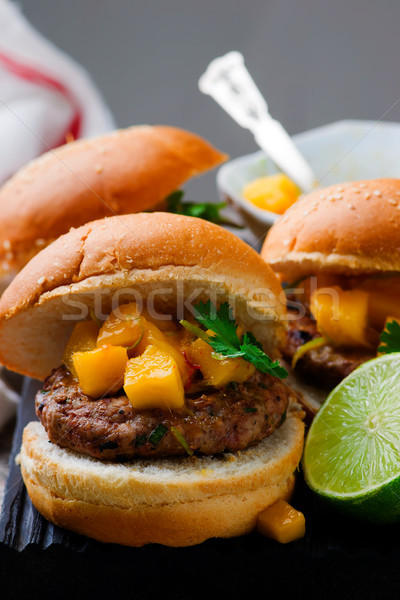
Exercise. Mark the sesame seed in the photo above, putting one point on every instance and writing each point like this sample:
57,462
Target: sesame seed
41,280
367,196
98,169
9,256
7,245
40,242
392,202
363,185
377,193
351,207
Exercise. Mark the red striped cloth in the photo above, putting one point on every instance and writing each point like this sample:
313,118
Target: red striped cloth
46,98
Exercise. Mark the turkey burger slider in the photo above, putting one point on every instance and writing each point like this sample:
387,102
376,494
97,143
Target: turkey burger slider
156,336
338,252
125,171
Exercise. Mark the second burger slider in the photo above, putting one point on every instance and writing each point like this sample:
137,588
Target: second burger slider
338,252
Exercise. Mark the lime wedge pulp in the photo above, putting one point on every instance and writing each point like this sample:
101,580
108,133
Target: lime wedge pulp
352,451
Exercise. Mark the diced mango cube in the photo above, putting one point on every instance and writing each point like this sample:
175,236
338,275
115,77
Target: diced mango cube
152,336
100,371
82,339
341,315
152,380
281,522
275,193
218,372
123,327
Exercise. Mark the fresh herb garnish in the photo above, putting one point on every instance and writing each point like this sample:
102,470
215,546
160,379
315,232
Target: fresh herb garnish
204,210
179,437
140,440
390,338
157,435
225,340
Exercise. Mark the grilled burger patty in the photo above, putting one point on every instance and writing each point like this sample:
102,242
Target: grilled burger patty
327,365
214,421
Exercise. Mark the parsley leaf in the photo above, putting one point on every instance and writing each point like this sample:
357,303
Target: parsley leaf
157,435
252,340
390,338
204,210
225,340
254,354
174,201
221,322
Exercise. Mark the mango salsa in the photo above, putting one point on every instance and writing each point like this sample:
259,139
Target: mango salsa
152,380
123,327
100,371
341,315
275,193
152,336
218,372
165,325
281,522
83,338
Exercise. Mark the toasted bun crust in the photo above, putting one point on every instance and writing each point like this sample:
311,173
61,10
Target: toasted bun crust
177,502
126,171
351,228
165,257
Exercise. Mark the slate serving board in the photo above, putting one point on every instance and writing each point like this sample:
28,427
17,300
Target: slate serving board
337,556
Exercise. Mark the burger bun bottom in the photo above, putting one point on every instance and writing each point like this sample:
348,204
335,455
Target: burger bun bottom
175,502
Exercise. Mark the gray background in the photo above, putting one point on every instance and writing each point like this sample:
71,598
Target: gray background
315,62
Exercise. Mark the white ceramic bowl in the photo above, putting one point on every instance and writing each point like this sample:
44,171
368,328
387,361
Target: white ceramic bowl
341,151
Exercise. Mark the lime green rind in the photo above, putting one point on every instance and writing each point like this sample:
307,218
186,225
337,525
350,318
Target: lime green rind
382,506
367,491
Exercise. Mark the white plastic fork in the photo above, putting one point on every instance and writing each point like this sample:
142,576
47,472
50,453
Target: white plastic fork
230,84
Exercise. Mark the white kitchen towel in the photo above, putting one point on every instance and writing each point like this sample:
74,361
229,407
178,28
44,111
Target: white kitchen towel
45,96
46,99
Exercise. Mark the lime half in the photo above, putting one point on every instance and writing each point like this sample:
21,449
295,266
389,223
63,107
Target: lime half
352,451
